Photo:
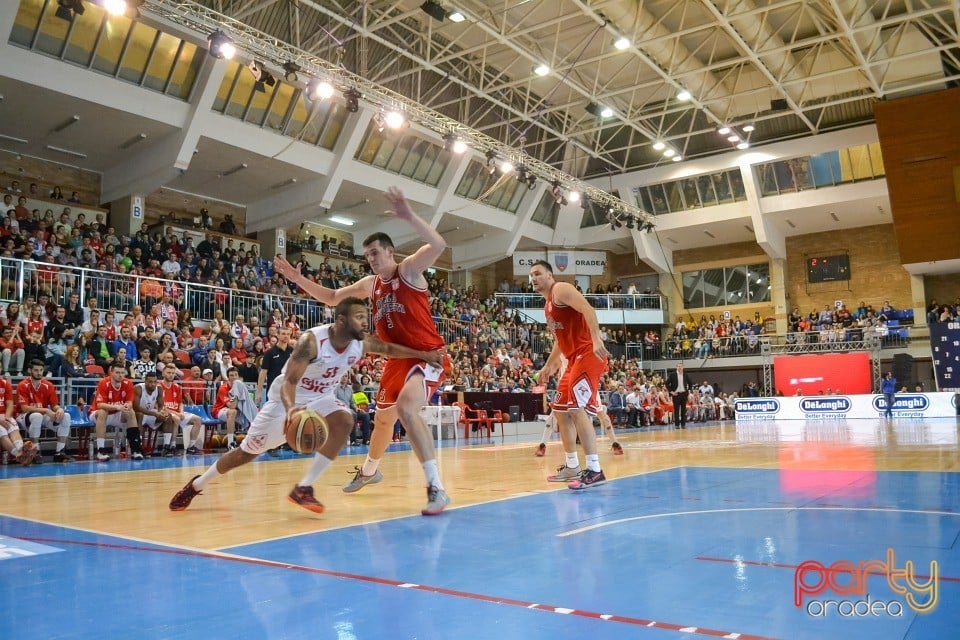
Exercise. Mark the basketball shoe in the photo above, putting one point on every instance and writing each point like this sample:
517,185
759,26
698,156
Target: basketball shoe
360,481
303,496
541,450
565,474
28,453
182,500
437,500
588,479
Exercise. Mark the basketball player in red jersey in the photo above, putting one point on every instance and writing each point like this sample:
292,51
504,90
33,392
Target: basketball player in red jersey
577,331
401,315
112,406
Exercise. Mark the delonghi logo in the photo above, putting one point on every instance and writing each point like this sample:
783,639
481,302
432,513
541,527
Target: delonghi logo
757,406
829,404
905,402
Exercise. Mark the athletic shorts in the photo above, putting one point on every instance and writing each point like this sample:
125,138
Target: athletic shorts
151,422
7,429
579,387
266,430
115,419
398,370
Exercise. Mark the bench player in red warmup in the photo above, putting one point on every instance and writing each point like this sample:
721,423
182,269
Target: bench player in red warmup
401,315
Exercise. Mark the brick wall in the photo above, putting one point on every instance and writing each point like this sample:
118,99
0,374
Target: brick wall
875,270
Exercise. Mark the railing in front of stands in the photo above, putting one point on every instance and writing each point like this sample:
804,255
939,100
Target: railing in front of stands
597,300
20,279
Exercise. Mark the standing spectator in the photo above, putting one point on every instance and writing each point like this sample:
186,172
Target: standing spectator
679,385
888,387
39,408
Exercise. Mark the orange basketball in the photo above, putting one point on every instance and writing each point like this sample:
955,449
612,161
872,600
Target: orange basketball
305,430
239,437
216,441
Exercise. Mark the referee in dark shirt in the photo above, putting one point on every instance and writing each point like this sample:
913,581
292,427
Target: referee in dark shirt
271,367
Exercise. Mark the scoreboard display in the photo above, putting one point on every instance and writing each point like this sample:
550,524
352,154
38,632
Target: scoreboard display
945,344
828,268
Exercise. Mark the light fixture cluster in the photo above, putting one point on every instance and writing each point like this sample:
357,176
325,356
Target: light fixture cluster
619,218
740,140
69,9
668,152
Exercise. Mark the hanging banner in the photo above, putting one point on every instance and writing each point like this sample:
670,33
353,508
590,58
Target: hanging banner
945,344
580,263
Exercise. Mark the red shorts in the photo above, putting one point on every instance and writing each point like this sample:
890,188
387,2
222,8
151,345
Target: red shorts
398,371
579,386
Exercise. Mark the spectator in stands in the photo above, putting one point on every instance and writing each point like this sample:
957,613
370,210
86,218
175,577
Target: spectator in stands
74,198
57,193
616,404
55,349
127,343
225,406
39,408
11,349
101,347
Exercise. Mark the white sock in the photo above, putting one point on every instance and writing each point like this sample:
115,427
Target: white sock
593,462
101,443
207,476
318,466
61,446
369,466
572,461
167,437
17,448
433,474
229,438
547,432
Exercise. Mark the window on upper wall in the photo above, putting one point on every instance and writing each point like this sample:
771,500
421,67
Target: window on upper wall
828,169
726,286
547,211
694,192
477,183
406,154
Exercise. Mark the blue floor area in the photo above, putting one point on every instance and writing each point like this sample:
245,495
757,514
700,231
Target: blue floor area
663,553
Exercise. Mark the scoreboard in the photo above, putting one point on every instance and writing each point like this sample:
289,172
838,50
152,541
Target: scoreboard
945,343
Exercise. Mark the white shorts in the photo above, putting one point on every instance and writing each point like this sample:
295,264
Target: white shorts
151,422
266,431
6,429
222,416
115,419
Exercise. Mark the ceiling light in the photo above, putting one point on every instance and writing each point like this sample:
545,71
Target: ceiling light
621,43
220,46
748,128
394,119
320,90
724,130
743,145
606,112
456,16
341,220
541,70
599,110
684,95
677,158
659,146
669,152
734,138
115,7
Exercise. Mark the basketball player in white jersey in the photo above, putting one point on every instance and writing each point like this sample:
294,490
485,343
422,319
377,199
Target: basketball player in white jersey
148,405
320,358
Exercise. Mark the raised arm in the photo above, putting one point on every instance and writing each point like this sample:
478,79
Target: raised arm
359,289
424,257
373,344
565,293
303,353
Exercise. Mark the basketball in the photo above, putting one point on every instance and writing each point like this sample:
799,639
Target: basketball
216,441
305,430
239,437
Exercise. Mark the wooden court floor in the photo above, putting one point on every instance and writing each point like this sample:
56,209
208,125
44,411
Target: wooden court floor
698,533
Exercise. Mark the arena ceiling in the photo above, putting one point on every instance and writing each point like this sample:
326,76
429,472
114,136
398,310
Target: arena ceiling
789,68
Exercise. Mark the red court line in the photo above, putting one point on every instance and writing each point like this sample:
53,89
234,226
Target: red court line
480,597
778,565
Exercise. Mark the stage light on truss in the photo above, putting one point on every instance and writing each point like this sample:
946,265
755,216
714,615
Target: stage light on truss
220,46
453,143
66,9
320,90
261,77
290,70
506,167
573,196
114,7
394,119
352,96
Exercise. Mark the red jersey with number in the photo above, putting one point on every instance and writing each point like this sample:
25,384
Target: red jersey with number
35,326
401,314
6,396
569,327
43,394
172,397
107,393
223,397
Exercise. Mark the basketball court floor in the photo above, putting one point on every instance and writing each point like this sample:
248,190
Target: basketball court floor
698,533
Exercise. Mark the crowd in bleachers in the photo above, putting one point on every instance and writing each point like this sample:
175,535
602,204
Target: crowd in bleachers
937,312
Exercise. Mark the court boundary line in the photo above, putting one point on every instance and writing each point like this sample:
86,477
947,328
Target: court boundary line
651,516
389,582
